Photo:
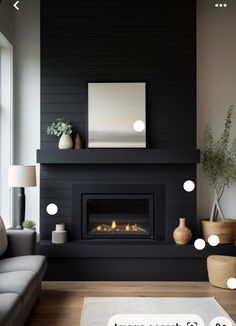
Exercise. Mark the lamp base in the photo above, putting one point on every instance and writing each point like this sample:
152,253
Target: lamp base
21,202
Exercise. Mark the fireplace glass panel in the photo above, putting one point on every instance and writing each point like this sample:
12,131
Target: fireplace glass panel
117,216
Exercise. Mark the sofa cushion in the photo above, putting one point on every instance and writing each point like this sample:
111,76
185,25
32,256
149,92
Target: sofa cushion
3,237
37,264
10,307
22,283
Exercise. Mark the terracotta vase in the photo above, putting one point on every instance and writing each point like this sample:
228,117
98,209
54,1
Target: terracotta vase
182,235
65,142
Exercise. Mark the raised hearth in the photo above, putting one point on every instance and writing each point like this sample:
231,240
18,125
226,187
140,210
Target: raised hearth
166,262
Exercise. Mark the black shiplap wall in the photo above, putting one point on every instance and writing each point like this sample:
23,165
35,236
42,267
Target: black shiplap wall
57,181
121,40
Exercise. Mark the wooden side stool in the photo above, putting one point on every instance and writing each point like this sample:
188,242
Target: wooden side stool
220,269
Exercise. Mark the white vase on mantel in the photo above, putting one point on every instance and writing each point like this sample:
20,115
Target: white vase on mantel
65,142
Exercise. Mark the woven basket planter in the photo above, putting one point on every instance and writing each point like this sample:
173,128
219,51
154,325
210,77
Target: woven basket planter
220,269
225,230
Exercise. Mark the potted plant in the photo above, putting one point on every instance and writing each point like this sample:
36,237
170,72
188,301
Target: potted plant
63,129
218,160
29,225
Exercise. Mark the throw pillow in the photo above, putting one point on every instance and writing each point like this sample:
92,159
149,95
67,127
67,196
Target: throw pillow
3,237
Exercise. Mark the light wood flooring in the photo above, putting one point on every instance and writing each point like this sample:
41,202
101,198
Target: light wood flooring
61,302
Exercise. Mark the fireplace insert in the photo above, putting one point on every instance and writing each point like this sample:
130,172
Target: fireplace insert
121,212
109,216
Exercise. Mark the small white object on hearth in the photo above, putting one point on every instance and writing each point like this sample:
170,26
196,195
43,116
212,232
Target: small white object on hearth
59,236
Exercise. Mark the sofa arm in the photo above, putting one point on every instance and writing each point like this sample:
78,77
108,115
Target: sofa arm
20,243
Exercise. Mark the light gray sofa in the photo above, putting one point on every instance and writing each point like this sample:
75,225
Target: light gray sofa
21,273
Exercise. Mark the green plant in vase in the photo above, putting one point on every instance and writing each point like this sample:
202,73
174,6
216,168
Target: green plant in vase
218,160
62,128
29,224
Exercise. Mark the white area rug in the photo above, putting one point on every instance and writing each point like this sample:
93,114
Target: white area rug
98,310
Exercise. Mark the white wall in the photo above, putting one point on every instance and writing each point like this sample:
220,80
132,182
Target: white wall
216,85
27,93
22,29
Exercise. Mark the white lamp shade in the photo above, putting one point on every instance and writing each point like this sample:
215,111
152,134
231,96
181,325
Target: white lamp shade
21,176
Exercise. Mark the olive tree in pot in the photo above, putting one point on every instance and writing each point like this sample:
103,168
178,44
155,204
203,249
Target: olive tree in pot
218,160
63,129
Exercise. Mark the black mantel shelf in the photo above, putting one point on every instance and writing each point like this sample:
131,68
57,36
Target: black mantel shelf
118,156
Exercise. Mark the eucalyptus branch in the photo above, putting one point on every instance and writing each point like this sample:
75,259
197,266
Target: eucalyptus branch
59,127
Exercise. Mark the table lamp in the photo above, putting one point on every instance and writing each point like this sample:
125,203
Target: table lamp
21,176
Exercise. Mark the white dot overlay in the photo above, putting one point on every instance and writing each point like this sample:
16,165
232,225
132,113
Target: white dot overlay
231,283
139,125
213,240
52,209
199,244
189,185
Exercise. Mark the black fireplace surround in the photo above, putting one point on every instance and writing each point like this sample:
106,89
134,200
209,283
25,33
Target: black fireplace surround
118,212
120,207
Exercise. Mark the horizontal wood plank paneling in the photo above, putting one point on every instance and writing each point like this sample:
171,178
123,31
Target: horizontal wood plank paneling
57,181
151,41
121,41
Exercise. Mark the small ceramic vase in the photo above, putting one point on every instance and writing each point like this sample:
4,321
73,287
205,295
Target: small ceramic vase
65,142
182,234
78,143
60,234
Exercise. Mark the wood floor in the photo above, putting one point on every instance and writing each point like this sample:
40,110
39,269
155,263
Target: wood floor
61,302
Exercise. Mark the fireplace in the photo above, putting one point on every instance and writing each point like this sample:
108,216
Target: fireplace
118,212
129,216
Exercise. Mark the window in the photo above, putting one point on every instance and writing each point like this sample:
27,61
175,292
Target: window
6,122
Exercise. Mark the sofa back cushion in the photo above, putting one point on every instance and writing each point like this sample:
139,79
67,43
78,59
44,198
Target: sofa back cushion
3,237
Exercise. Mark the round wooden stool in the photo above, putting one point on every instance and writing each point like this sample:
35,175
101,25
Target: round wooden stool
220,269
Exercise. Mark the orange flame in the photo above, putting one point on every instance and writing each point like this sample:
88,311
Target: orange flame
113,225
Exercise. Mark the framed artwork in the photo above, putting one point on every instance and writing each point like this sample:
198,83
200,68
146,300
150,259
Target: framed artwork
116,115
